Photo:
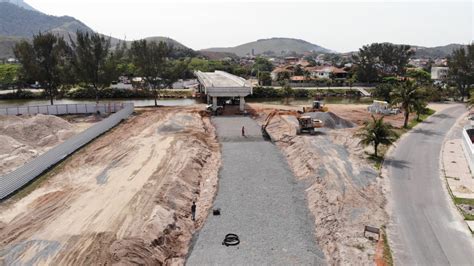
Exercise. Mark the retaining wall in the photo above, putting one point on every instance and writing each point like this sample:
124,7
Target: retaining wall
13,181
62,109
468,147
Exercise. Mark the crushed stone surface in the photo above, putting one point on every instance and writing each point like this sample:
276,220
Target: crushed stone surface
260,201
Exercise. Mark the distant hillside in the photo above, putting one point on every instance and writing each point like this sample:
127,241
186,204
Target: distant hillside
20,22
436,52
19,3
168,41
217,55
278,46
6,46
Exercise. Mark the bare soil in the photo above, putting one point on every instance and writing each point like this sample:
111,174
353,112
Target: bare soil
26,137
344,192
123,199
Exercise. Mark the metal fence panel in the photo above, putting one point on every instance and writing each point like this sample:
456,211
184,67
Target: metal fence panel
62,109
13,181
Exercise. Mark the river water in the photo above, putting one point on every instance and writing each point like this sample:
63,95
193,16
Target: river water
185,102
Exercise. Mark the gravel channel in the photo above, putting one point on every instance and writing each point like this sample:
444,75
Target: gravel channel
260,201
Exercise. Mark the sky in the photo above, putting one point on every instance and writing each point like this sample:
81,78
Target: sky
341,26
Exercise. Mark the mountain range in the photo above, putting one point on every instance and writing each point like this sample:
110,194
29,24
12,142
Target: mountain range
276,46
19,21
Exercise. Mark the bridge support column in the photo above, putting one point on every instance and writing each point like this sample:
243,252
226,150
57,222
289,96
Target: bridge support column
242,103
214,103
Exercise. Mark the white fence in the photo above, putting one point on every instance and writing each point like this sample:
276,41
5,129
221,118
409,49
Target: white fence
13,181
468,147
62,109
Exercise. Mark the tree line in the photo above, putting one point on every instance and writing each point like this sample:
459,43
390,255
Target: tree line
90,60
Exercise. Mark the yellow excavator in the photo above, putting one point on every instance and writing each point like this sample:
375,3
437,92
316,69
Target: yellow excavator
306,124
318,106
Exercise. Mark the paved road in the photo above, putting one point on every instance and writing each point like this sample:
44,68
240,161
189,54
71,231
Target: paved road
261,201
426,229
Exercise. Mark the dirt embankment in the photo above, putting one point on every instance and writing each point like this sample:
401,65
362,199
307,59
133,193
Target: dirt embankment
125,198
26,137
344,192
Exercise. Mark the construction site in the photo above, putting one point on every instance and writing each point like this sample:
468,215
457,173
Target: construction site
291,183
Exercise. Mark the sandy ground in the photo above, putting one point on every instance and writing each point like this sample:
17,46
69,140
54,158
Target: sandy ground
344,192
26,137
125,198
356,113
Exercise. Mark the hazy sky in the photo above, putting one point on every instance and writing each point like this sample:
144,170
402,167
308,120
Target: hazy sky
338,25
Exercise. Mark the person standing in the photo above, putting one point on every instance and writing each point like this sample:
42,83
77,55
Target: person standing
243,131
193,211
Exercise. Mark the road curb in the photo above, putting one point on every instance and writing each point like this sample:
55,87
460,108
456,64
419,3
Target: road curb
444,180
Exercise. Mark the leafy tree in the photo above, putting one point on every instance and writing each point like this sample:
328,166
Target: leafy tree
461,69
93,62
407,95
420,76
9,74
381,59
299,71
383,91
44,60
261,64
264,78
350,81
419,107
306,75
376,132
329,82
154,65
283,76
287,92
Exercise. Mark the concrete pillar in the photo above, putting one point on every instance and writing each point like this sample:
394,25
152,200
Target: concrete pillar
242,103
214,103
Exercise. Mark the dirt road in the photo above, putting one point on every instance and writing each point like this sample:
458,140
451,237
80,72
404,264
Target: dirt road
125,198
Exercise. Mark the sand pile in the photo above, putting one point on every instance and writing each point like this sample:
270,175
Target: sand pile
26,137
344,192
151,168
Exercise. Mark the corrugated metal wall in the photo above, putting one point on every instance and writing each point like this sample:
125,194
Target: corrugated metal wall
13,181
62,109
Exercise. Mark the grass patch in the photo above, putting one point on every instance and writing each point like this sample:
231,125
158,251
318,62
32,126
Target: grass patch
423,117
377,160
458,201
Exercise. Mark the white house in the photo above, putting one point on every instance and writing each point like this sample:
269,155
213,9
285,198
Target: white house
439,73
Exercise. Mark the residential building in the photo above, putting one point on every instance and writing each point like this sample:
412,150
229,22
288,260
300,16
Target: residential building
439,73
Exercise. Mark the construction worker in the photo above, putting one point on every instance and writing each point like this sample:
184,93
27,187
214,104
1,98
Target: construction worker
193,211
243,131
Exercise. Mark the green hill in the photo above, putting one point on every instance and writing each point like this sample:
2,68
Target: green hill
17,23
436,52
20,22
19,3
6,46
277,46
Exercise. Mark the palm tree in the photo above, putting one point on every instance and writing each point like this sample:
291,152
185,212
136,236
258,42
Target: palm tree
406,95
376,132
